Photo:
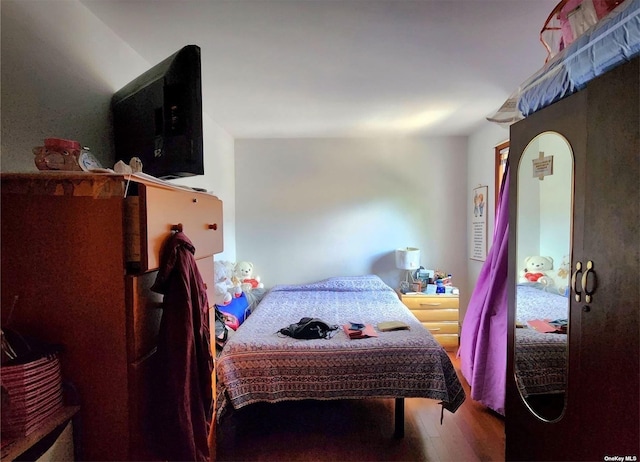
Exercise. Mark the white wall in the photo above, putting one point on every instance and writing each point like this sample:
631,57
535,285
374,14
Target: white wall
314,208
544,206
58,81
481,168
219,179
60,67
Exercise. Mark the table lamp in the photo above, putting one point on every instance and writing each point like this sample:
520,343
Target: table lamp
408,259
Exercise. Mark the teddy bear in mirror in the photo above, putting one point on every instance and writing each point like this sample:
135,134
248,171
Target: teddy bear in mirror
535,271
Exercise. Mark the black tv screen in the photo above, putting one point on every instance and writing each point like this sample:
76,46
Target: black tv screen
158,117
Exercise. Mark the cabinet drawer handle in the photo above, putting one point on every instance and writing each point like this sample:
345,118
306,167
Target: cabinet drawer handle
213,226
585,277
574,278
430,304
434,329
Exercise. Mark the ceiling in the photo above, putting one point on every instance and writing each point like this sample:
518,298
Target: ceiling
336,68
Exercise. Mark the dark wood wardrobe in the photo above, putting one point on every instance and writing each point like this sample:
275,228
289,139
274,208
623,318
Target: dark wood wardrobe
601,412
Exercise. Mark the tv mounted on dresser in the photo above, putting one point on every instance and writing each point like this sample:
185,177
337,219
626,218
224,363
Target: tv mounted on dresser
158,117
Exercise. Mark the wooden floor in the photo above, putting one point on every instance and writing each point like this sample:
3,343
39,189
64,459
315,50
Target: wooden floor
361,430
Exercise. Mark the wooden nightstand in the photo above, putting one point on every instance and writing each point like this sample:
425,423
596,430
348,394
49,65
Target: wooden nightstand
438,313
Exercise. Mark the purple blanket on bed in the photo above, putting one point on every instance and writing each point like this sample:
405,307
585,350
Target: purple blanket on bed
258,364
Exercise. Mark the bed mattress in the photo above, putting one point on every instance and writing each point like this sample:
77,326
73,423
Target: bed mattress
540,358
541,362
258,364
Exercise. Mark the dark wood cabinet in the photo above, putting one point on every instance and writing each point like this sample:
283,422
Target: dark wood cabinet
601,415
81,257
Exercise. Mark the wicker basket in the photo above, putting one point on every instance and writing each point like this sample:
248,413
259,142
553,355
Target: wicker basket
32,393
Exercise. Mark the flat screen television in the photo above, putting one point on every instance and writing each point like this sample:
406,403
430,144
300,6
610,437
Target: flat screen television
158,117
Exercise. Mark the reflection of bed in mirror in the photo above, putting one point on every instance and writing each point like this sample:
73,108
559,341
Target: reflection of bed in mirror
541,358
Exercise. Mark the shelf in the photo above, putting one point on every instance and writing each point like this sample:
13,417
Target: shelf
12,448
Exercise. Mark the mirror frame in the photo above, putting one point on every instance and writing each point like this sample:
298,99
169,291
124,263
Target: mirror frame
556,409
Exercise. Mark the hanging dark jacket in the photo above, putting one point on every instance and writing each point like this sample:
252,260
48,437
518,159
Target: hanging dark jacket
184,397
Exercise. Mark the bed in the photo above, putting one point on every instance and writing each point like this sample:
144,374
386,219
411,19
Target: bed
541,358
613,40
259,365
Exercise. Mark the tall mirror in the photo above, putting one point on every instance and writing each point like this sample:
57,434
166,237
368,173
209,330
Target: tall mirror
544,230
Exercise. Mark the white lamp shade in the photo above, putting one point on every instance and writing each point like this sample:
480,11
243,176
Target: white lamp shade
408,258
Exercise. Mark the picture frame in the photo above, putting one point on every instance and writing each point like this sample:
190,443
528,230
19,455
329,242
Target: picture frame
478,235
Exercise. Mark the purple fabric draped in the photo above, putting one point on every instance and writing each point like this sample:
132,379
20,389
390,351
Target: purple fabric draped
483,339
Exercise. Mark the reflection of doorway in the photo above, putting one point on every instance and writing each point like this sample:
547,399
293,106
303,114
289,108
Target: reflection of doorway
501,154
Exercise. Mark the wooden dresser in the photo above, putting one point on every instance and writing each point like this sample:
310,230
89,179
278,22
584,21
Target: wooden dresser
80,252
438,313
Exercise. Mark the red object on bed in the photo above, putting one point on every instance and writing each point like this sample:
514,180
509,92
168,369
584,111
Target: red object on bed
366,332
542,326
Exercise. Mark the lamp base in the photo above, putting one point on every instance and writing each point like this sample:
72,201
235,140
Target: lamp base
409,282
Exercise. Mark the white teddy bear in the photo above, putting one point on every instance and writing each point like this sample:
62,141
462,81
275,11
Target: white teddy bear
534,270
224,290
244,272
235,288
564,275
221,296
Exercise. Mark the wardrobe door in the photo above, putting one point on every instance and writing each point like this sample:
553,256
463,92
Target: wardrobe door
608,321
541,427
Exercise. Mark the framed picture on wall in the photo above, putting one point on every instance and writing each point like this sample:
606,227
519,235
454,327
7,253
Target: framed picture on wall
478,244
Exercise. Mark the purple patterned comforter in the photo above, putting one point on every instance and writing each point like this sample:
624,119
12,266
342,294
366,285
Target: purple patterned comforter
257,364
540,359
541,362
